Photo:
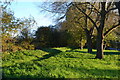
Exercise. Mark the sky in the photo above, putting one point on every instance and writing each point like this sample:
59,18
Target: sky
27,9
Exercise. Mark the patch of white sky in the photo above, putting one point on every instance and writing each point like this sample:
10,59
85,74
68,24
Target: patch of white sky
31,9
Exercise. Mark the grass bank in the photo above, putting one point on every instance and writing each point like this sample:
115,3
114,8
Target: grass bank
60,63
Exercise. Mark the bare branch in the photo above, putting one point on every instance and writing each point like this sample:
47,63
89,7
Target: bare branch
97,19
67,10
95,8
111,29
110,10
86,15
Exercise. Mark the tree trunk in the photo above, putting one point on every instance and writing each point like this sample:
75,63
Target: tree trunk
89,42
99,54
88,35
81,46
100,36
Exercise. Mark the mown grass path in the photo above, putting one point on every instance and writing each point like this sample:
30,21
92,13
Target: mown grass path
60,63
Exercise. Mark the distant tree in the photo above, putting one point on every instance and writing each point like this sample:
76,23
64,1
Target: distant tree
25,37
9,28
43,37
75,35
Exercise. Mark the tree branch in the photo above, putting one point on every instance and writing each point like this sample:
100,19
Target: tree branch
86,16
95,8
108,5
110,10
111,29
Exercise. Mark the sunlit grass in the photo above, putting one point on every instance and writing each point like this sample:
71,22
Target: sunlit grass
60,62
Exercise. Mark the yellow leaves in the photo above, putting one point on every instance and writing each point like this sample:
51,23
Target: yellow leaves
27,45
6,17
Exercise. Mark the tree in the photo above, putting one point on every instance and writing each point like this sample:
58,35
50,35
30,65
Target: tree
103,12
75,16
43,37
25,36
9,27
75,35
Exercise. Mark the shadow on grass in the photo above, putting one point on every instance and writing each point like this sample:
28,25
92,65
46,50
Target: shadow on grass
52,52
94,52
42,76
108,53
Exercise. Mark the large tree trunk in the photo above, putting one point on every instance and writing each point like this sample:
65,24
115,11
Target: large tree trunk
99,45
100,35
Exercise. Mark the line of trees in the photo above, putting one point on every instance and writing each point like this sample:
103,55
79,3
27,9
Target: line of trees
86,24
98,13
54,37
70,35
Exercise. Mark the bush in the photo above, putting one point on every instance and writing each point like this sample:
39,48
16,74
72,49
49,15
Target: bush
26,45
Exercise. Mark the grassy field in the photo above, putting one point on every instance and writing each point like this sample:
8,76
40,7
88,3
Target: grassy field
60,63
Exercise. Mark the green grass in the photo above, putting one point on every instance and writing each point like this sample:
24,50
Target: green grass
60,63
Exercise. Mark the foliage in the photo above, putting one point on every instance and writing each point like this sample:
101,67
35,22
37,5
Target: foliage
25,37
9,28
60,62
43,37
76,37
50,37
